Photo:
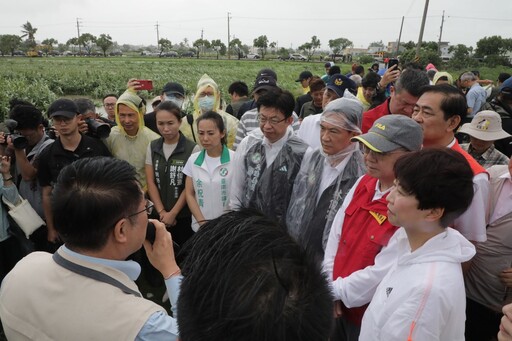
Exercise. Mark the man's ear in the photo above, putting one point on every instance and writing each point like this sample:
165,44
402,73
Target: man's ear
454,122
392,90
119,232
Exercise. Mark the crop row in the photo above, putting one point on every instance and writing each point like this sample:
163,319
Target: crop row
42,80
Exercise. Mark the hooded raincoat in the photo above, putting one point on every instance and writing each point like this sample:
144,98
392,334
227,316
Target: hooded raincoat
131,148
189,127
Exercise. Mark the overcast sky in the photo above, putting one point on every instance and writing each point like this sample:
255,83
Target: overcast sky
289,23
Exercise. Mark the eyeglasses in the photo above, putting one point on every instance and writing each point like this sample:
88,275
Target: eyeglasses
148,209
273,121
109,104
376,155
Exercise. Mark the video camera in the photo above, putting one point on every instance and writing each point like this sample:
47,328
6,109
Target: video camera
18,141
98,129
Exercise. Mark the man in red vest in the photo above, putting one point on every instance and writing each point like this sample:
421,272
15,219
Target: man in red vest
439,111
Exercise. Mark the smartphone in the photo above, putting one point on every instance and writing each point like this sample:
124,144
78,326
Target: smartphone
150,232
145,84
391,62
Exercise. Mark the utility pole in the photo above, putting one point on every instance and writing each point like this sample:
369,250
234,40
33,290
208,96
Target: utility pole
399,37
420,39
78,22
202,46
157,36
440,35
229,49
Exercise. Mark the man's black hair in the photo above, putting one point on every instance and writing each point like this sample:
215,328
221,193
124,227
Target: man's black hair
90,197
316,84
334,70
453,102
109,95
412,80
85,105
282,100
16,101
437,178
246,279
371,80
240,88
359,70
27,116
503,76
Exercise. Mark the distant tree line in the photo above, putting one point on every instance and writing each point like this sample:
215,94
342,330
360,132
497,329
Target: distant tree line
492,51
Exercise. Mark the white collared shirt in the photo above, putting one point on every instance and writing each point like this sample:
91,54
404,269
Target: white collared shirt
502,206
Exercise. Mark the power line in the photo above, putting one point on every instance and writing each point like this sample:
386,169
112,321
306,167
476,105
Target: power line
477,18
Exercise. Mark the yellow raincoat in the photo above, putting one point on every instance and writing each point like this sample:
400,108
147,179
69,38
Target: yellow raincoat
230,121
131,148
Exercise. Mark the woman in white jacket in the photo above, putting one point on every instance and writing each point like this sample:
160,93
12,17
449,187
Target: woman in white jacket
422,296
209,171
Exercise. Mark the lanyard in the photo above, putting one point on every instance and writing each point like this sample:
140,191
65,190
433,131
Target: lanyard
93,274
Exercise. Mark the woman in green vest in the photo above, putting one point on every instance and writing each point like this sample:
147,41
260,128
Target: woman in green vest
165,160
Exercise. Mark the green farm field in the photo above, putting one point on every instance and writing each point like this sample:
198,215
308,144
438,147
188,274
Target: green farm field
42,80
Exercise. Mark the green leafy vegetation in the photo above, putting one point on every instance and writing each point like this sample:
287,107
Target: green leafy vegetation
42,80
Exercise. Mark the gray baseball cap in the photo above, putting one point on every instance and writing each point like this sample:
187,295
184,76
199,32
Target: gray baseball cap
391,132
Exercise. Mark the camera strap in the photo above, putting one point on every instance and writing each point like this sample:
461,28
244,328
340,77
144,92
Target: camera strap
93,274
190,120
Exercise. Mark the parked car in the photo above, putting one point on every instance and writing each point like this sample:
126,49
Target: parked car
337,55
188,54
170,54
296,56
253,56
116,53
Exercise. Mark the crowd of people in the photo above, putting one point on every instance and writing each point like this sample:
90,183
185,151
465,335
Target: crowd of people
359,210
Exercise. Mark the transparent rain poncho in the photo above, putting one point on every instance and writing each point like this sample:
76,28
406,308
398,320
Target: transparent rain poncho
269,188
312,210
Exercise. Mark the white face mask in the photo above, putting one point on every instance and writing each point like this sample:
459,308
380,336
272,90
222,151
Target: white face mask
206,103
175,100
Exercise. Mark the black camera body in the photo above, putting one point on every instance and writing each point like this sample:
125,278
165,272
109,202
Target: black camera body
18,141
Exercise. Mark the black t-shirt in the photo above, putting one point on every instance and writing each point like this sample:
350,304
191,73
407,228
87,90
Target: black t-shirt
150,121
246,107
54,157
301,100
